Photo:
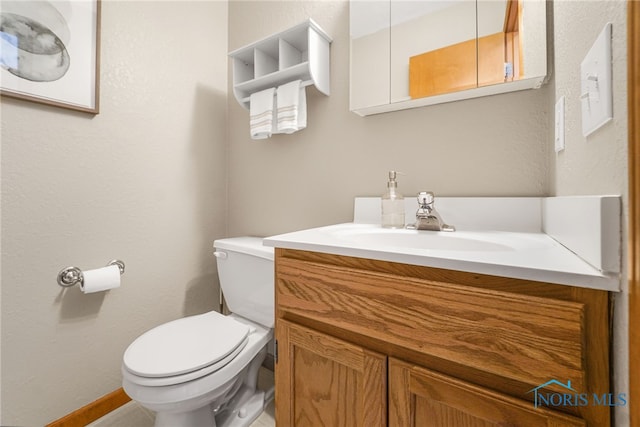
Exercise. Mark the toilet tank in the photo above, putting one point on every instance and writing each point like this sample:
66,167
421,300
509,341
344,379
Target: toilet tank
246,273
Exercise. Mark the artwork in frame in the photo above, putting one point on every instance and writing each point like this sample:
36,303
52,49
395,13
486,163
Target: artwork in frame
50,52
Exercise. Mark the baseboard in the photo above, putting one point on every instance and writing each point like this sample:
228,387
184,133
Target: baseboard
94,410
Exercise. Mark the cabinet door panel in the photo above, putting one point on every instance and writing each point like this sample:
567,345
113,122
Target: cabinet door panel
423,398
324,381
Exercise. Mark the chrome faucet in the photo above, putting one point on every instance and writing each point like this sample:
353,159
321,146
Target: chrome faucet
427,218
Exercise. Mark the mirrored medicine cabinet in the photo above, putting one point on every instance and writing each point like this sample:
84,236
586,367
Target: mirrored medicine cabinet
412,53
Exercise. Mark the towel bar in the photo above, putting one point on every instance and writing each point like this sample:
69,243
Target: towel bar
304,83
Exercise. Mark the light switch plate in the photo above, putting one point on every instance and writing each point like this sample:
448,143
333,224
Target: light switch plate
559,128
595,84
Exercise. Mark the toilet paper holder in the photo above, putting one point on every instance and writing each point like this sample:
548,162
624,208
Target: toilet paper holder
71,276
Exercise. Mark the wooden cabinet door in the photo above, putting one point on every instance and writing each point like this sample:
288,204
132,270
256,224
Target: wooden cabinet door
325,381
423,398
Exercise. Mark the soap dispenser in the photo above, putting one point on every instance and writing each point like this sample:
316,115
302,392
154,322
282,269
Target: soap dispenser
392,204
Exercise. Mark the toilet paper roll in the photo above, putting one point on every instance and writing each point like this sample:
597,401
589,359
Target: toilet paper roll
100,279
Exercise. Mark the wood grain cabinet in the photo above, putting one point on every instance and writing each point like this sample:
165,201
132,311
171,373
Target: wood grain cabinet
420,397
330,382
372,343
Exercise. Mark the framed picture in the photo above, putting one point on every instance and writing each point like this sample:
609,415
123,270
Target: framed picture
50,52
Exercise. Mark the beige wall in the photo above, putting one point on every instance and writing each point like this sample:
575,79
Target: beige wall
144,181
494,146
596,164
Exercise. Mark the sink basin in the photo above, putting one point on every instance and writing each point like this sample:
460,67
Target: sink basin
520,255
373,236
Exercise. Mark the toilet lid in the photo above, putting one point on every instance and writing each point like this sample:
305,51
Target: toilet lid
184,345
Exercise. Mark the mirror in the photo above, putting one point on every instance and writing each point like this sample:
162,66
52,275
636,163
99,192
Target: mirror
410,53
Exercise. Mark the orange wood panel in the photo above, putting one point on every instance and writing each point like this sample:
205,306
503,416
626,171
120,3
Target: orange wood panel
423,398
461,66
523,338
498,333
512,16
325,381
449,69
491,59
91,412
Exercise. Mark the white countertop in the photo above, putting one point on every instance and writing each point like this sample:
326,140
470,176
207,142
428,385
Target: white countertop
520,255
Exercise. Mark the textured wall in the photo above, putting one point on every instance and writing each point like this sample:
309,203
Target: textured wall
596,164
144,181
493,146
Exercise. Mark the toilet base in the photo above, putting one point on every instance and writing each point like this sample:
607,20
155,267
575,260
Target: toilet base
245,411
240,405
247,402
202,417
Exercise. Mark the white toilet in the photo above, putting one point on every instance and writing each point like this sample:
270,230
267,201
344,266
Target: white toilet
202,370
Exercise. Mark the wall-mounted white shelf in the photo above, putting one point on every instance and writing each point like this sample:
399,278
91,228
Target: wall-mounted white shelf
299,53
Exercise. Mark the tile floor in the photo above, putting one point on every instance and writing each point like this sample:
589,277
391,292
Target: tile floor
133,415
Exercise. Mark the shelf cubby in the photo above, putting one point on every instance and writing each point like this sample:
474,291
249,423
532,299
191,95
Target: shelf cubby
299,53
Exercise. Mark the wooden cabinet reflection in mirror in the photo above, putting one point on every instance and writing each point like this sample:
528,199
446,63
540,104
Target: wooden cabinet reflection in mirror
488,60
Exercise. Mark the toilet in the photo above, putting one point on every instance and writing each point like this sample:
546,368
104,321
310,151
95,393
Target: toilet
203,370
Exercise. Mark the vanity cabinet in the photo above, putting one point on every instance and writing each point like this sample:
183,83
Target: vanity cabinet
331,382
421,397
372,343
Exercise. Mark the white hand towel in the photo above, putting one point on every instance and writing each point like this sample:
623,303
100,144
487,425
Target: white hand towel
291,107
261,109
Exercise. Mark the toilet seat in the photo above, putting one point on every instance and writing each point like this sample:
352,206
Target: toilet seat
185,349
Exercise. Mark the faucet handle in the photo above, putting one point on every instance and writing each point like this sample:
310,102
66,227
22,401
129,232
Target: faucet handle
425,198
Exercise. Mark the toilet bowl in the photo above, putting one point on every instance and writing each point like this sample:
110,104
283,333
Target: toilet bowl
202,370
